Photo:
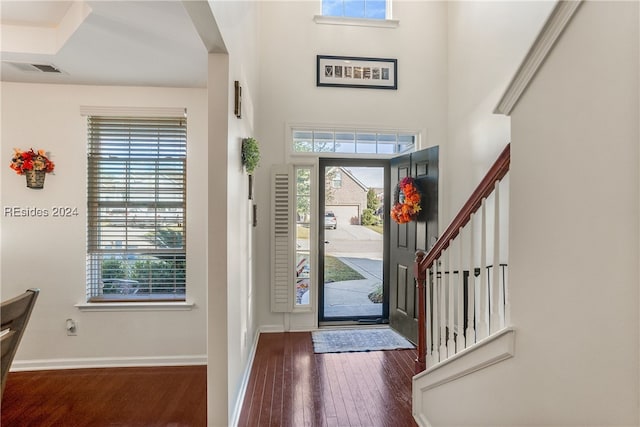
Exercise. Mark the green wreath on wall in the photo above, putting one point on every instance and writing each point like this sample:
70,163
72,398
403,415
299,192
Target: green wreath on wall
250,154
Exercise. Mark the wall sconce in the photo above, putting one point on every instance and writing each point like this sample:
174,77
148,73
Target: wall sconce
237,109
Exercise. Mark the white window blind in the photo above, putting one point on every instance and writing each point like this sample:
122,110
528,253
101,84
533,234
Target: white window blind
136,245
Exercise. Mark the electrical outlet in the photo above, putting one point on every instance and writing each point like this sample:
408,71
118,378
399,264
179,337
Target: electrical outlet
72,327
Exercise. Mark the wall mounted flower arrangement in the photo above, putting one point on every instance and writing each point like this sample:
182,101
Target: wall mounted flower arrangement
34,165
250,159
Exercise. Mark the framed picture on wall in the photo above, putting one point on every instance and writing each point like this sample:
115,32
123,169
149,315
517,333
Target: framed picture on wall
351,71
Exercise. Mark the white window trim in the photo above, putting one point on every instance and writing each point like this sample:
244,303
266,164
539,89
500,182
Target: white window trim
356,22
89,110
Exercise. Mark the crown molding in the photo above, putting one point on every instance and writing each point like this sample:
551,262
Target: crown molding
542,46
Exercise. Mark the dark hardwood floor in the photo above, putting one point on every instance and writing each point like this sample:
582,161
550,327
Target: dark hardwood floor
291,386
163,396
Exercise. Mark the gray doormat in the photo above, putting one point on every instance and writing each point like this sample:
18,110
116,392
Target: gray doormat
345,340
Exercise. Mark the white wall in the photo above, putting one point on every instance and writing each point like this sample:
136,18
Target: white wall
486,41
231,323
219,225
49,253
574,241
289,43
575,221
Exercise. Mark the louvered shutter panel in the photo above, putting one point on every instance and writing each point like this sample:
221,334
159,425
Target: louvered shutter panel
282,183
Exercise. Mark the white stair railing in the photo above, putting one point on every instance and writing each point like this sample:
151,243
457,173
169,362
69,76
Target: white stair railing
462,280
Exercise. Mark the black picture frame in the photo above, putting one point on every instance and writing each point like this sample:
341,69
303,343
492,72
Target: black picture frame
356,72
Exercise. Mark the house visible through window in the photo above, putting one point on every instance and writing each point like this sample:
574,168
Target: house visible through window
371,9
136,246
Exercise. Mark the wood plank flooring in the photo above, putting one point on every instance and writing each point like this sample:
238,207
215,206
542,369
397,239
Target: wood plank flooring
291,386
163,396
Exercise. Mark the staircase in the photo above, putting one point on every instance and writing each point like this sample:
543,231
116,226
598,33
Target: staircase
463,310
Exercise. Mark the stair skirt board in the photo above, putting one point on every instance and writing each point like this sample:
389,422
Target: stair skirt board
489,351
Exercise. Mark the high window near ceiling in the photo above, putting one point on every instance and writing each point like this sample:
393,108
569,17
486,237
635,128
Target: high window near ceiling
370,9
136,242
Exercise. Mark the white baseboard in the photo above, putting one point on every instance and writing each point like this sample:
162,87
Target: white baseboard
237,408
266,329
106,362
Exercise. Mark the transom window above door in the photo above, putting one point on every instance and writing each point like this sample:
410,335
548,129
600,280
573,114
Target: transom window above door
351,142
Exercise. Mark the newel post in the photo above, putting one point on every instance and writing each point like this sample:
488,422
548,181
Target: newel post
420,277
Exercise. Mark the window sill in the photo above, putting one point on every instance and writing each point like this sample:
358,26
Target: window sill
136,306
358,22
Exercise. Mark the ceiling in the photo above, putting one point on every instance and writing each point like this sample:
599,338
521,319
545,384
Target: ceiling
130,43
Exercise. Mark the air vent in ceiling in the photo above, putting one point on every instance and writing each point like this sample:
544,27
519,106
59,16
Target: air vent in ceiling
44,68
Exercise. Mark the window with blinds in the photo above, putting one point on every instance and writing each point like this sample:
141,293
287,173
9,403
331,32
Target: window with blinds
136,246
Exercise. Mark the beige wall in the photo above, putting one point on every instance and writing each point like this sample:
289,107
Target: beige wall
231,324
574,241
575,224
49,253
289,43
486,42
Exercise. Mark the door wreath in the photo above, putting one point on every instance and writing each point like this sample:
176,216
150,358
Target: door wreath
406,202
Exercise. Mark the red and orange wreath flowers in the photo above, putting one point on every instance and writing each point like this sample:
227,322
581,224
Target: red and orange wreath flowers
30,160
407,201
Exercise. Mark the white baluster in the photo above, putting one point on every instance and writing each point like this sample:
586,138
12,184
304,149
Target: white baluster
443,307
507,304
460,341
496,318
436,316
428,316
483,331
451,345
471,289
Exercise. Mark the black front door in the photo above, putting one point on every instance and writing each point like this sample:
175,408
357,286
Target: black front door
406,239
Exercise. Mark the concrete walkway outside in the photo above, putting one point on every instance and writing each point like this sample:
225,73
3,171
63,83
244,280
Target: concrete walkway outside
361,249
350,298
